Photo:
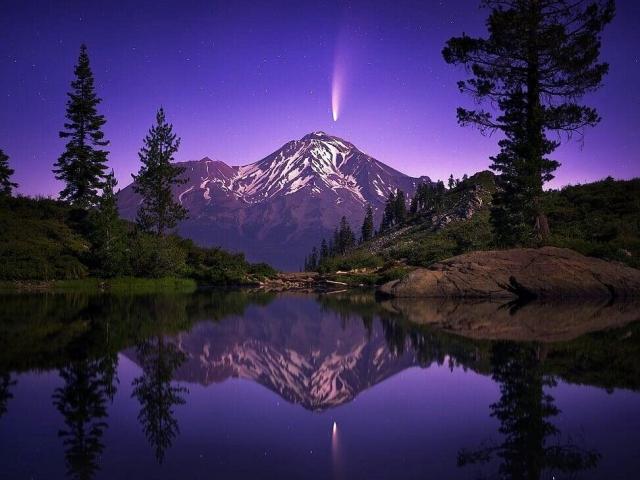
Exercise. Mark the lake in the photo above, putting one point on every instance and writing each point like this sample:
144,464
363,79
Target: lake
259,386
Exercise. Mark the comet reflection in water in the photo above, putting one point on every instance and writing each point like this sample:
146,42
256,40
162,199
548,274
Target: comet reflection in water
335,452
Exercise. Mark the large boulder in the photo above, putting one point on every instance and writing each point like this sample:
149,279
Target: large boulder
525,273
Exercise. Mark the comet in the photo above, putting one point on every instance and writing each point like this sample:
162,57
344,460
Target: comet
336,91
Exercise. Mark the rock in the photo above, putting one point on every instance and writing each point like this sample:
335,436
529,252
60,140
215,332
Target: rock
525,273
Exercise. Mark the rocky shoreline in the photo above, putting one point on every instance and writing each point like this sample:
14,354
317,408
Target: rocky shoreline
301,282
525,274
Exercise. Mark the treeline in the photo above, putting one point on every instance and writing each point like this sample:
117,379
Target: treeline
428,197
83,234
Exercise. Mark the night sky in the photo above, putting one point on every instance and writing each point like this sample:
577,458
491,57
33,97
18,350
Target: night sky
239,78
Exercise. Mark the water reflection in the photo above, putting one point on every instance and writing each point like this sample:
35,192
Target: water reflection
82,402
319,353
158,397
532,444
6,382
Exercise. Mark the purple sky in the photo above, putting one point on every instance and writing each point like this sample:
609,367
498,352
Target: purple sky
240,78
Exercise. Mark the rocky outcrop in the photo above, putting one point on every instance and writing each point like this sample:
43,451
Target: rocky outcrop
526,273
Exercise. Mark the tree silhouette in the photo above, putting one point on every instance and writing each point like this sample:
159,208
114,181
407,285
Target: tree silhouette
6,185
5,393
158,211
82,401
83,163
156,394
524,411
539,59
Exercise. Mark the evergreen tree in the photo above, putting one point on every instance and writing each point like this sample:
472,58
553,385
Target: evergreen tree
367,225
423,198
6,185
335,242
108,234
400,208
452,182
83,163
389,213
413,206
346,240
540,58
313,261
438,197
324,250
158,211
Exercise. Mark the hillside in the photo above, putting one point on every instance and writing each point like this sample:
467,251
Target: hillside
600,219
43,239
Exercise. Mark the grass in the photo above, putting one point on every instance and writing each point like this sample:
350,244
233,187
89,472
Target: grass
122,285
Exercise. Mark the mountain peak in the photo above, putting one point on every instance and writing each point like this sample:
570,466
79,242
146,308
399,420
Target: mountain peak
323,137
289,198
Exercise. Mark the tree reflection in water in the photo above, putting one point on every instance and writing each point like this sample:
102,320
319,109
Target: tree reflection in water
157,396
6,382
82,401
524,411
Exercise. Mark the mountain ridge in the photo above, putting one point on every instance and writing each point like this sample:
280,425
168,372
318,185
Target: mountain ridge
276,208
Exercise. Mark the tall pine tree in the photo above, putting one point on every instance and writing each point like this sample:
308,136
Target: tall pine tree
158,211
6,185
83,163
539,59
367,225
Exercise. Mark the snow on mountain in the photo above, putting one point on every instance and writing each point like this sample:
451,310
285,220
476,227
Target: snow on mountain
276,208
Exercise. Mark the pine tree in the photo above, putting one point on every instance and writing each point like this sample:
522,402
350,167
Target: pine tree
438,197
324,250
6,185
540,58
423,198
452,182
313,260
335,242
346,240
367,225
413,206
108,234
388,216
83,163
400,208
158,211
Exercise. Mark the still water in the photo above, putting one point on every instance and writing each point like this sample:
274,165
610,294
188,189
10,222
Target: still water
259,386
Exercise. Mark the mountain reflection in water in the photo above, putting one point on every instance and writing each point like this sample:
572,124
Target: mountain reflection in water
320,353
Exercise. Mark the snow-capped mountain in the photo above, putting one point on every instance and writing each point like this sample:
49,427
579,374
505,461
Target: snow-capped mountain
277,208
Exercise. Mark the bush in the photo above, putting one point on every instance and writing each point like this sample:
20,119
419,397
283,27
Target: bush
157,257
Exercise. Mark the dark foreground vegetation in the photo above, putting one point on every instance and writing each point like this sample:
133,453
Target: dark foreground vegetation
43,239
